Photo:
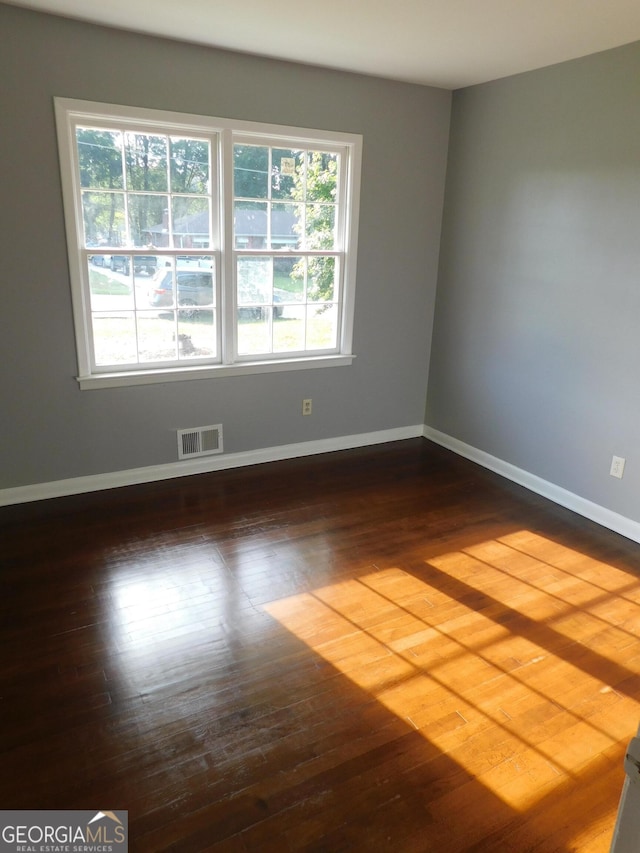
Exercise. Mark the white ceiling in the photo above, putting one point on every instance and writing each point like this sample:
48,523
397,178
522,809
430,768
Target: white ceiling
447,43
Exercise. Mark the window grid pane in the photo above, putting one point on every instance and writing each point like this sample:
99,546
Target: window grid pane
147,191
285,304
297,209
144,189
133,316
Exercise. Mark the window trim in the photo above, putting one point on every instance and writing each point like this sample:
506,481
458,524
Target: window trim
69,112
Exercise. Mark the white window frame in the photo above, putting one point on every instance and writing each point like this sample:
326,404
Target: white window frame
222,133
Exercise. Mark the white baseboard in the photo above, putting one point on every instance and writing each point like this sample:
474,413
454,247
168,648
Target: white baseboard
98,482
154,473
611,520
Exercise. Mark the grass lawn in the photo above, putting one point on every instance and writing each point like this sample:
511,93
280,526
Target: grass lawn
102,284
118,342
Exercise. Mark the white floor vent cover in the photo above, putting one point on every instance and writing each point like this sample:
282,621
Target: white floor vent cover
199,441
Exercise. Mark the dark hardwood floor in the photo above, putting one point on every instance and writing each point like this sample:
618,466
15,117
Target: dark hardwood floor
386,649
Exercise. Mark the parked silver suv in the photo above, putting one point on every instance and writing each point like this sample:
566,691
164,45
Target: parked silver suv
193,286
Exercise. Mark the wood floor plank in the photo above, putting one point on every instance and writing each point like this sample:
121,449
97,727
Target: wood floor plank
384,649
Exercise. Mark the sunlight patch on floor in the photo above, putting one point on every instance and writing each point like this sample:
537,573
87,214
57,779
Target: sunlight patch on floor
499,654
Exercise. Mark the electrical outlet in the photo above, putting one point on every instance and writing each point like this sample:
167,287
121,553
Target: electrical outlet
617,467
306,407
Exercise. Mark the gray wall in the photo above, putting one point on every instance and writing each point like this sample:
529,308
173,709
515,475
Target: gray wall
536,348
50,429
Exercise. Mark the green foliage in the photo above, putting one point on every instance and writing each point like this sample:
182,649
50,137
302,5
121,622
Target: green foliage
100,158
250,171
189,166
102,284
147,164
315,188
100,161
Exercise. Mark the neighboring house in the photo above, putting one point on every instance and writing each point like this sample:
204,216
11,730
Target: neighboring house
251,229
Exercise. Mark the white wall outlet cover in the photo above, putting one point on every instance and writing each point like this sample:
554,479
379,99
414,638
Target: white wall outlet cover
617,467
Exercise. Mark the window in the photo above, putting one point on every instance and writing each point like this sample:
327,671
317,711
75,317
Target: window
200,246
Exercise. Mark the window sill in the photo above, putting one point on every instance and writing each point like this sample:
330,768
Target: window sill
209,371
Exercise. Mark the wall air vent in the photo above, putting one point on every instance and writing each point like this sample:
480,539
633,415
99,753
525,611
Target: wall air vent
199,441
